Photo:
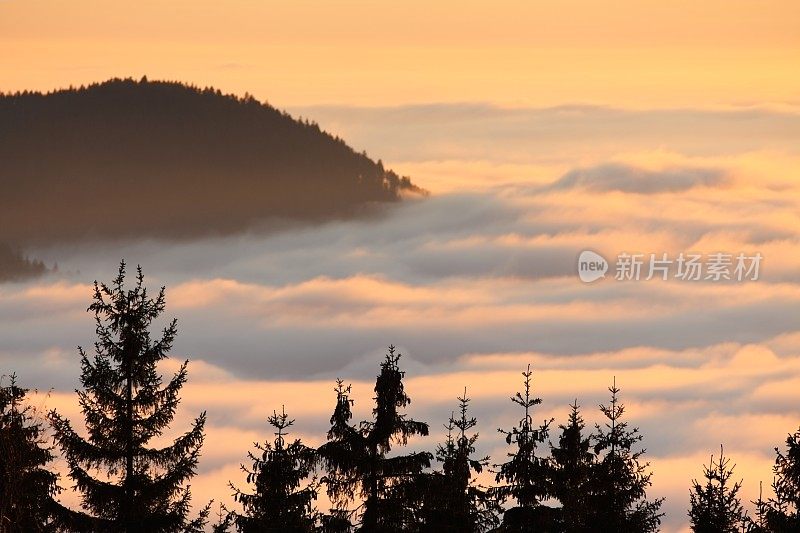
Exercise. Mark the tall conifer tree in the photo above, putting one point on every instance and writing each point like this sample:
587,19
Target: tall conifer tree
279,503
619,481
359,462
715,504
126,484
524,477
342,479
572,465
455,502
27,486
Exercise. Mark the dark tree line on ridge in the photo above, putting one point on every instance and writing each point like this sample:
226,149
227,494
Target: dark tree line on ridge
15,265
553,480
206,163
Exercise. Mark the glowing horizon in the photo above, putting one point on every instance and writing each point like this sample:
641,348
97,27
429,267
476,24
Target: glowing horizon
639,54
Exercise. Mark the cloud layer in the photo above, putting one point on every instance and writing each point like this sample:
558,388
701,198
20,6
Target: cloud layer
479,280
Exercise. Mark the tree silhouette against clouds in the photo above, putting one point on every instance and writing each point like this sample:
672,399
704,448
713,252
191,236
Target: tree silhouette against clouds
359,460
126,484
342,478
619,481
781,513
715,506
454,501
278,502
572,464
524,476
27,485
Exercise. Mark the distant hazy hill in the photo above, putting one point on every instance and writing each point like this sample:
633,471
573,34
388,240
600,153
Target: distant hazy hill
15,266
130,158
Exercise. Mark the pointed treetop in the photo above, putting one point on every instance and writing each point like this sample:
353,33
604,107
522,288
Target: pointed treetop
392,360
526,400
280,422
464,423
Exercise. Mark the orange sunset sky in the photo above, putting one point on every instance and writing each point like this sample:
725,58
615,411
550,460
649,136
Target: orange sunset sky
631,53
541,129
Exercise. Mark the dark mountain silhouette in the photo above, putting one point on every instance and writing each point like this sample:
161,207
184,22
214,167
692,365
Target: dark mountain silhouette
128,158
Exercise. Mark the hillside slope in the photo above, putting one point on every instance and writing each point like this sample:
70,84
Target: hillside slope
128,158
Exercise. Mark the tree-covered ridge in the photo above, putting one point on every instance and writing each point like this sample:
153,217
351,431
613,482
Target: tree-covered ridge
204,163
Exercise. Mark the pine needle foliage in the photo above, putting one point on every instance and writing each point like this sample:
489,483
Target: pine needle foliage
126,484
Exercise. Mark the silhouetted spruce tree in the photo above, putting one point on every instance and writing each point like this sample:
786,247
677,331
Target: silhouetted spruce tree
782,512
27,486
338,454
572,465
358,463
618,487
524,477
715,504
455,502
126,406
443,489
278,503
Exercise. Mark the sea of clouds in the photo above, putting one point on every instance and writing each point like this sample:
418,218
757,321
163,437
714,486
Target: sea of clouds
478,280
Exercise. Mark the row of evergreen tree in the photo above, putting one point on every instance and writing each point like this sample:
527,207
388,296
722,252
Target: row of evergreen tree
580,482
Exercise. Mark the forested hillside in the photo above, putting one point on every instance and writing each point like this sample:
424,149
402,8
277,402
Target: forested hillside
201,162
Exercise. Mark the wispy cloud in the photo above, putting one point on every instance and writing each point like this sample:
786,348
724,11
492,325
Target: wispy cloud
626,178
